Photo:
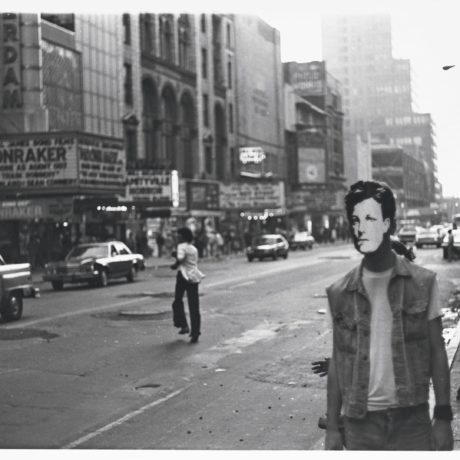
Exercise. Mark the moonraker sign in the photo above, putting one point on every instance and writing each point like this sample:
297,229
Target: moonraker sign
80,161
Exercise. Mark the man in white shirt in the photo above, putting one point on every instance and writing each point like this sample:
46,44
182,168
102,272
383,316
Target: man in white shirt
187,280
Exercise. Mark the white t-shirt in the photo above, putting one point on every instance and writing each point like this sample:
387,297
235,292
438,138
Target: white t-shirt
187,254
382,390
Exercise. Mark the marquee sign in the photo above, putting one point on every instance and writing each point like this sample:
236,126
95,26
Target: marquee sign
252,155
32,162
257,195
10,58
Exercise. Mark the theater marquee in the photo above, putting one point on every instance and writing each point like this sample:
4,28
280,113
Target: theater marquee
61,161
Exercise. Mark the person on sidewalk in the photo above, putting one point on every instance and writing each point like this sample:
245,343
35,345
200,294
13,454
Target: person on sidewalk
387,341
187,280
450,245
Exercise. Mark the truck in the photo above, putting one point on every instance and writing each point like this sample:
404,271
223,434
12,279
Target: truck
15,285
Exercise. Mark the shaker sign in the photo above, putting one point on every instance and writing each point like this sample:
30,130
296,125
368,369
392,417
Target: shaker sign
252,155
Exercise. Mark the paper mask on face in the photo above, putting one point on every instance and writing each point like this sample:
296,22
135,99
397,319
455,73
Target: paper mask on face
368,226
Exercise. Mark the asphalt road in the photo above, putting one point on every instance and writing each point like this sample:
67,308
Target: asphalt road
104,368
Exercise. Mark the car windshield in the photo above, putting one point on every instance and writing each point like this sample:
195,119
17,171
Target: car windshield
84,252
264,240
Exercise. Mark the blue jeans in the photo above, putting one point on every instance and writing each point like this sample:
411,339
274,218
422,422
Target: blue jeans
403,428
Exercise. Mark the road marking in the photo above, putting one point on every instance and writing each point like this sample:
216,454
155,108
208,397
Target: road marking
122,420
247,283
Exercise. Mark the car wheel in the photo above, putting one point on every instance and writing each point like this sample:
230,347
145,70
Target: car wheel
274,256
131,276
57,285
12,307
250,259
260,259
103,280
286,255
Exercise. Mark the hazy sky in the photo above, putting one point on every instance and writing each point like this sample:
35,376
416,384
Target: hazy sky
424,31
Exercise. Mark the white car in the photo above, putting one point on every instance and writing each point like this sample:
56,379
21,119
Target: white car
428,236
301,240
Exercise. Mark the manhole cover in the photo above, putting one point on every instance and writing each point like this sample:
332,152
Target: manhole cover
148,385
21,334
134,316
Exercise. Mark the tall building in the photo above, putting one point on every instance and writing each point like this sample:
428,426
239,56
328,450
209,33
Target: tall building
255,199
61,138
315,146
118,124
376,88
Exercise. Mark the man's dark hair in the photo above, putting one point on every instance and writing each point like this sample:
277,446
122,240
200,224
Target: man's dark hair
380,192
186,234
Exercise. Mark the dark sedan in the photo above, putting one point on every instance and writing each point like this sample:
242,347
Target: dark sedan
272,246
94,263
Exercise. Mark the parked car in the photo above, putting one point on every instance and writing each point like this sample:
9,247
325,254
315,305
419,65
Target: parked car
428,236
301,240
15,284
456,250
407,234
273,246
95,264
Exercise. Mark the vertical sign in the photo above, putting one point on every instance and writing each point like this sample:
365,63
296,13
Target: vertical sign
10,58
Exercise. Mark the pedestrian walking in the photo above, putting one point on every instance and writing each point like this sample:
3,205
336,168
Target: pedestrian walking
387,341
450,245
187,280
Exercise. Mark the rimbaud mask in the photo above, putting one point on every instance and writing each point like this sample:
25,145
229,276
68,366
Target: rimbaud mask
368,226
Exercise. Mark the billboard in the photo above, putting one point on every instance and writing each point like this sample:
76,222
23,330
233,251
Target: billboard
56,160
256,195
154,187
203,195
312,165
62,87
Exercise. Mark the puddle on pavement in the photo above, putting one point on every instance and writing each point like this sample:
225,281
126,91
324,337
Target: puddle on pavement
21,334
134,316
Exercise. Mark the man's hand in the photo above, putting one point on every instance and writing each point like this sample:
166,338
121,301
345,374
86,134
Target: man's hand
334,440
320,367
443,438
174,266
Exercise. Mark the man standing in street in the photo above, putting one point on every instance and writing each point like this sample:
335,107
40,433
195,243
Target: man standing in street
387,341
187,281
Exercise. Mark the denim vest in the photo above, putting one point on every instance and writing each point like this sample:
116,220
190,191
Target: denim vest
409,293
